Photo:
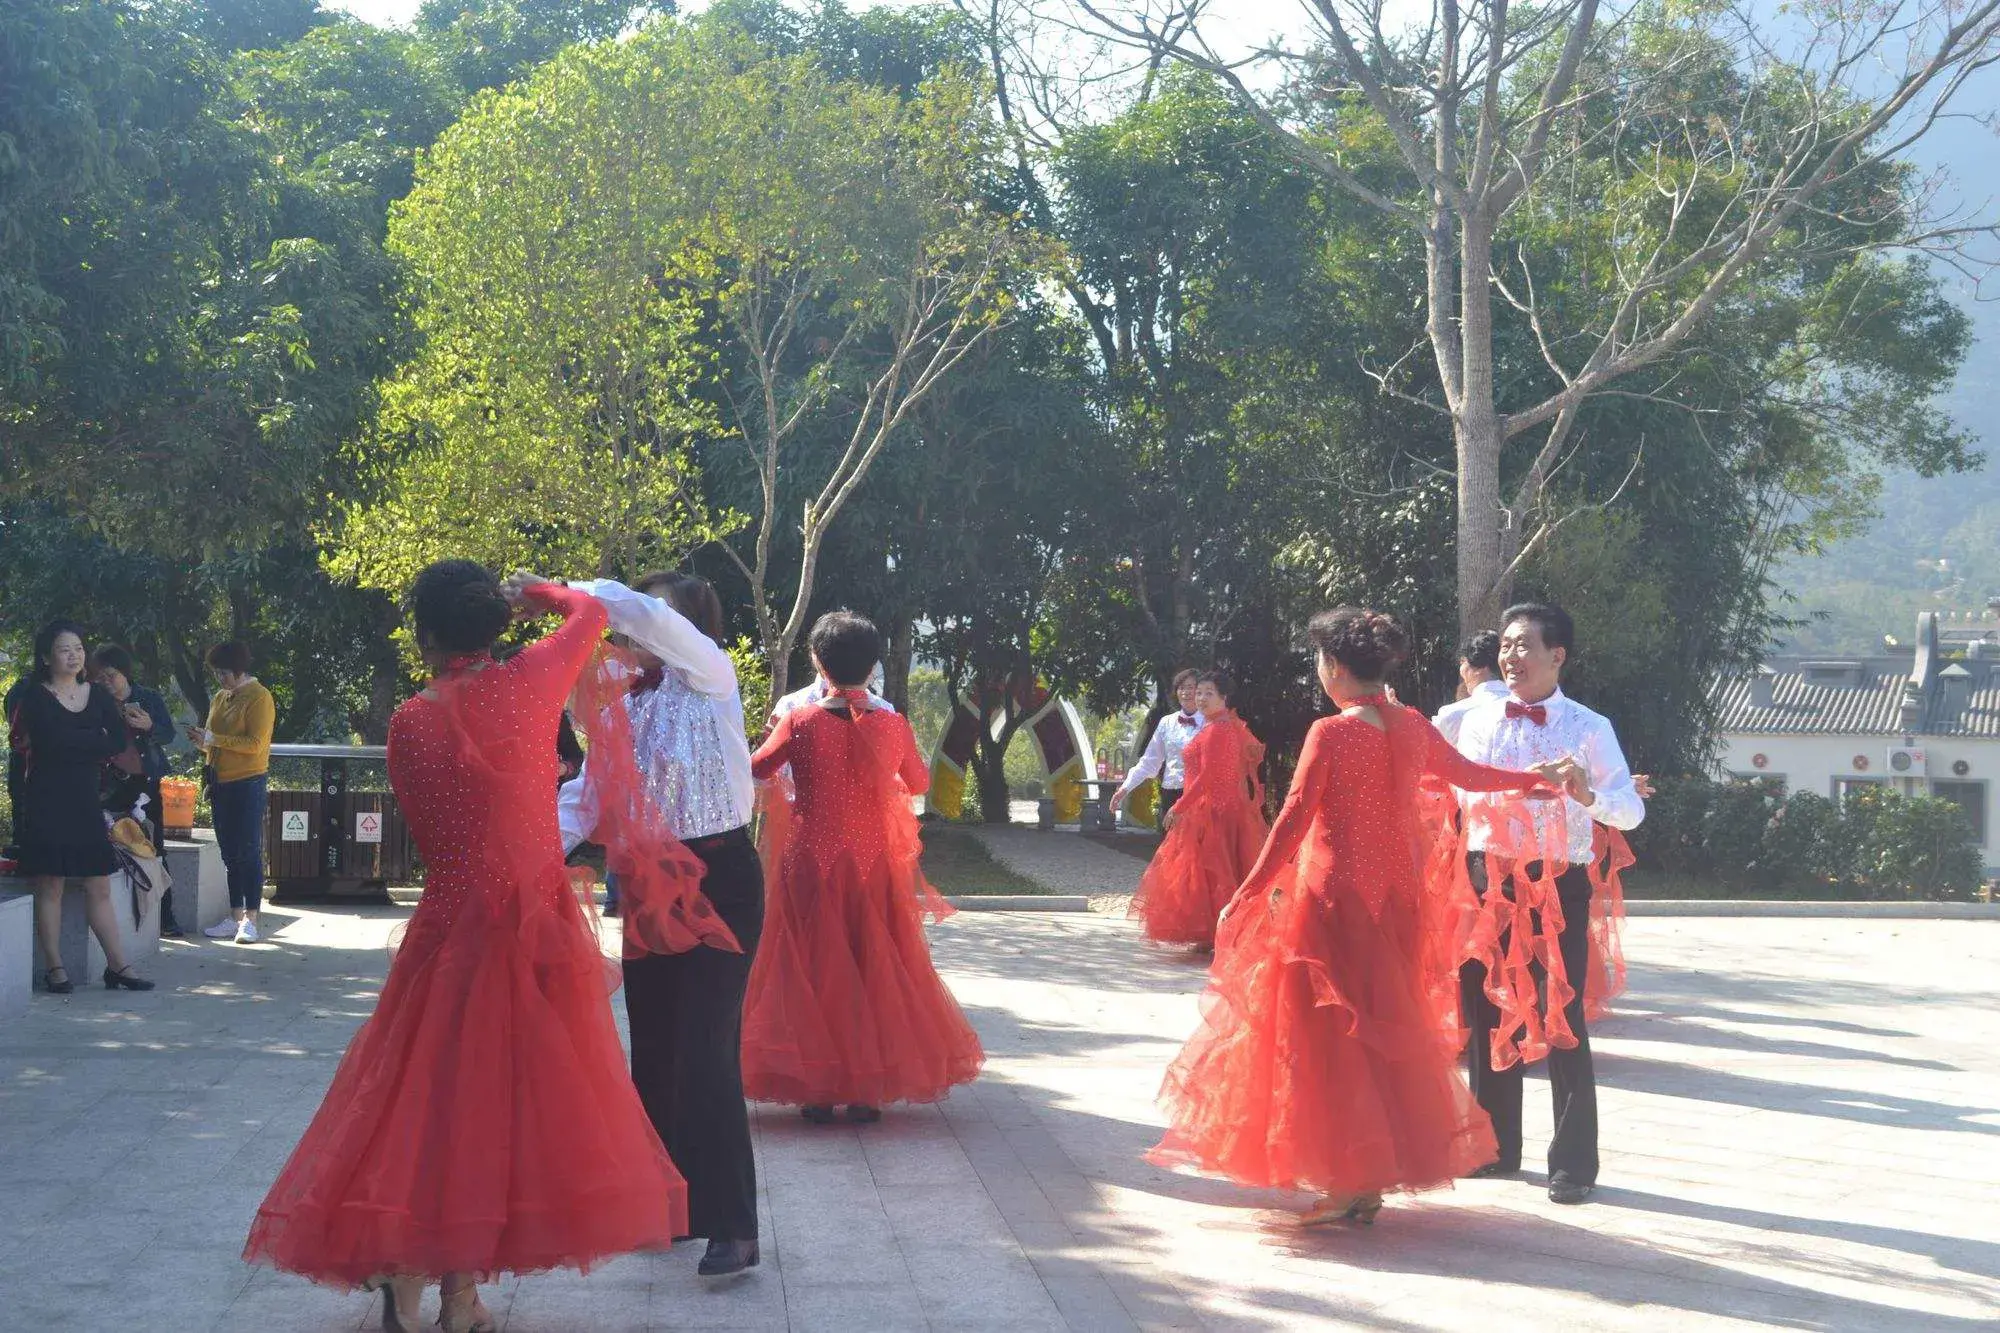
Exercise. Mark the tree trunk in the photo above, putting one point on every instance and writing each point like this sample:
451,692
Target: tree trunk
1476,433
899,638
989,767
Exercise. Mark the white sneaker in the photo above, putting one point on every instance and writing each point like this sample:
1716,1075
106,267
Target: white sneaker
224,929
246,931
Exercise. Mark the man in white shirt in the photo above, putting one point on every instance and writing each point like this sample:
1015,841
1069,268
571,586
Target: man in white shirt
1479,682
820,688
1537,727
1164,750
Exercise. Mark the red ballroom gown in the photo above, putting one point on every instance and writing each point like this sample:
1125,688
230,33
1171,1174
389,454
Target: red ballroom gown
1218,830
845,1005
1326,1059
482,1119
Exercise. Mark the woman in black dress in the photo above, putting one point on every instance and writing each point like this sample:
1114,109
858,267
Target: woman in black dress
68,729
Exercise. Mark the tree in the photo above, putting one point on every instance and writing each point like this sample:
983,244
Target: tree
488,43
1708,170
545,418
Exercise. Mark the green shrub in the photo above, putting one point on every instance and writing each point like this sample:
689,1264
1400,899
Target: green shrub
1732,830
1920,847
1805,848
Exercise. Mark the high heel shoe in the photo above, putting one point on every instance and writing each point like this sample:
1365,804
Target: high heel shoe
401,1297
1360,1208
464,1312
63,987
124,980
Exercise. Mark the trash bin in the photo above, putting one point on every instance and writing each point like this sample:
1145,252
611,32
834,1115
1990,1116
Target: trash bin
335,842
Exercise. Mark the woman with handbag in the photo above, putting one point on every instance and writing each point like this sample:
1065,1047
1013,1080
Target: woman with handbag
149,726
67,728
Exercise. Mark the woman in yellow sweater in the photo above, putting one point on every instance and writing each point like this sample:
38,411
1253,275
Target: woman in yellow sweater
238,741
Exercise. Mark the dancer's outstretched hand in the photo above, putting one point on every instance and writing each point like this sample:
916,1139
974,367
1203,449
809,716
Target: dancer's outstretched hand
515,587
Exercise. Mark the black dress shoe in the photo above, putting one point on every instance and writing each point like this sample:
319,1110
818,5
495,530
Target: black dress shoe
727,1257
63,987
864,1115
125,980
1562,1189
819,1115
1495,1171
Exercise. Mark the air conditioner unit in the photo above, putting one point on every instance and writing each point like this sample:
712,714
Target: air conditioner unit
1906,760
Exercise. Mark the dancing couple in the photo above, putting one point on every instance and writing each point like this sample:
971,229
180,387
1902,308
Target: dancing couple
482,1119
1326,1060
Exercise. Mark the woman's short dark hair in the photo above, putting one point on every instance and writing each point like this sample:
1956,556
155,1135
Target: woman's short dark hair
232,657
113,657
848,646
1481,652
458,606
689,594
45,644
1369,643
1551,622
1225,684
1186,676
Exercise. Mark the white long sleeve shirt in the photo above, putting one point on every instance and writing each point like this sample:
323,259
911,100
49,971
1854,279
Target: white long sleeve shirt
1572,731
688,732
815,692
1452,716
1163,757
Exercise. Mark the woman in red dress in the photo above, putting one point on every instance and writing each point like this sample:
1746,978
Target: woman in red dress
482,1119
845,1006
1213,832
1327,1055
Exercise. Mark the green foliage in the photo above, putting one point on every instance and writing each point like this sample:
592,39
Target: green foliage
1754,842
1920,847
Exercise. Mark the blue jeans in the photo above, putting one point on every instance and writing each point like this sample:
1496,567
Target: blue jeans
610,892
238,808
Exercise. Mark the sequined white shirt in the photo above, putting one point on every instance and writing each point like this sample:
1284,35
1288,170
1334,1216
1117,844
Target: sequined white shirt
688,732
1488,736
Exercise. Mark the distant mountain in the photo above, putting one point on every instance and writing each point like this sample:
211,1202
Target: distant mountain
1936,545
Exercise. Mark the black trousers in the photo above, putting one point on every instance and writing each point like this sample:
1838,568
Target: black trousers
1573,1150
1169,798
686,1014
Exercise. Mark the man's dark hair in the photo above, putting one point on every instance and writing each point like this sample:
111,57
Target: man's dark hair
848,646
45,646
231,656
1481,652
457,606
1551,622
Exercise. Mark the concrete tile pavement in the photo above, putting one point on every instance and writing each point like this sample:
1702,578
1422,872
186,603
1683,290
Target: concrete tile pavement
1800,1117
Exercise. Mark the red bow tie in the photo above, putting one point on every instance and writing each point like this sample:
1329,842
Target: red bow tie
649,680
1535,713
1187,719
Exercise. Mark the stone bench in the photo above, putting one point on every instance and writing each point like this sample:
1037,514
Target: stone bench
82,957
201,884
17,954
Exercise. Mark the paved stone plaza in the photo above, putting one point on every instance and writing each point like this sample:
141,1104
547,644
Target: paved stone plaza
1802,1130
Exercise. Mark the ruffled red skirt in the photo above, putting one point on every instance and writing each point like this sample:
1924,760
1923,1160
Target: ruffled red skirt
845,1005
482,1119
1199,866
1321,1063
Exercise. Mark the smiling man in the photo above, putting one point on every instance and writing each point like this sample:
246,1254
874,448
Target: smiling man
1537,727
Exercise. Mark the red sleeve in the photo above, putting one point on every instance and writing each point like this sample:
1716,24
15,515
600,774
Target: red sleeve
1318,765
915,772
776,751
1443,760
549,667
